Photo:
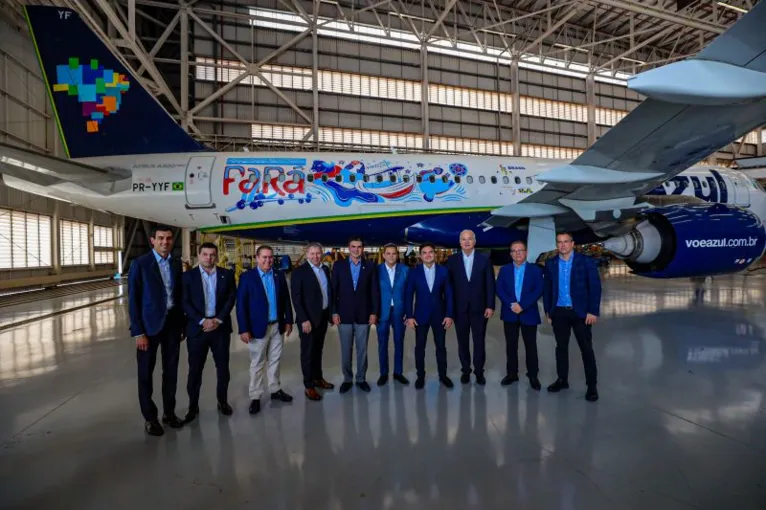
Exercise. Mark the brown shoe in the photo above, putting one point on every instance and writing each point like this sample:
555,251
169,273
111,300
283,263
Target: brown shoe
313,394
321,383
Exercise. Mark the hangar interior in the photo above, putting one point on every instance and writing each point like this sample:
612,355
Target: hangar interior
680,421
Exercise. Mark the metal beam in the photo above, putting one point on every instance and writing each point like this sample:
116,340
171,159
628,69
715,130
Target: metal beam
663,15
440,19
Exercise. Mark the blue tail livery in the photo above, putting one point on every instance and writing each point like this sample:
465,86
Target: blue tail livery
100,107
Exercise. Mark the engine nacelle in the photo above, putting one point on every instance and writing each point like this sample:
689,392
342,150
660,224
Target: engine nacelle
691,240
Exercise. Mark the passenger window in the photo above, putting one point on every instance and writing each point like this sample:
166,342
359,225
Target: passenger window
281,178
704,184
517,180
378,178
392,178
406,178
419,178
296,178
457,179
696,184
493,179
432,179
324,178
338,178
469,179
444,179
505,179
310,177
482,180
529,180
352,178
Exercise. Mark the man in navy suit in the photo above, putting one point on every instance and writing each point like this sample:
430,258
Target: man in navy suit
429,303
355,304
473,281
392,279
572,299
519,287
265,317
156,322
312,296
208,298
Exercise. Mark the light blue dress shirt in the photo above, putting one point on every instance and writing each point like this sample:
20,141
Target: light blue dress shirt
565,276
356,269
319,273
167,278
518,279
209,287
430,276
468,264
271,293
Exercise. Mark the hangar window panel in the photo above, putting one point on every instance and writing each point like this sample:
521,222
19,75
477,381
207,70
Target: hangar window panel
608,116
25,240
74,243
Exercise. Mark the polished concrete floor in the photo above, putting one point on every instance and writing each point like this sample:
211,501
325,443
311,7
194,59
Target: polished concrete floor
680,423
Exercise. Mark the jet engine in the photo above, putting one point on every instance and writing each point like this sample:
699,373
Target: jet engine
691,240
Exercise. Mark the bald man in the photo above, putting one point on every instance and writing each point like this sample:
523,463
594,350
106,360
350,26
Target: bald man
473,283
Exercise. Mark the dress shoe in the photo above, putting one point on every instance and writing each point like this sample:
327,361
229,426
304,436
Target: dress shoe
191,414
281,396
153,428
481,380
225,409
172,420
345,387
363,386
382,380
419,383
509,379
534,383
401,379
255,406
313,394
321,383
592,394
446,381
465,378
559,385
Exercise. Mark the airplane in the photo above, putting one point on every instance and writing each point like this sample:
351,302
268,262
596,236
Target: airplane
636,191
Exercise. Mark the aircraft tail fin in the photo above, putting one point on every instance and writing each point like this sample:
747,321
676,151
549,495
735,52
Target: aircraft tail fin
101,108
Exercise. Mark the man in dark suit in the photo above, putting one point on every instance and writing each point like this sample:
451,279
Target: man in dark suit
473,282
392,279
156,322
355,305
429,303
519,287
208,298
265,317
312,297
572,299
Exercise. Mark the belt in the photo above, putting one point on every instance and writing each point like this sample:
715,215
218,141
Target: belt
271,323
566,307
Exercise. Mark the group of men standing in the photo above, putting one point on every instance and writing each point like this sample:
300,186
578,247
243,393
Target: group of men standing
167,305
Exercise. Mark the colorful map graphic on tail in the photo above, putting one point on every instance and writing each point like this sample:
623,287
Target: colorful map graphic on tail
99,90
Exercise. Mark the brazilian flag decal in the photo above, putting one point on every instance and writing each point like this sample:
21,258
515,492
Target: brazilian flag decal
178,186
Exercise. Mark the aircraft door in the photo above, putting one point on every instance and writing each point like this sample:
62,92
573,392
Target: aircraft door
741,190
199,173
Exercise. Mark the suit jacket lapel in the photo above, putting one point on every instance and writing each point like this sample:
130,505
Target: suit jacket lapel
156,269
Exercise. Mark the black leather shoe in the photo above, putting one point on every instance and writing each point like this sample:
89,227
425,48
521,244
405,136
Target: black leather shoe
281,396
559,385
255,406
345,387
225,409
592,394
419,383
401,379
153,428
363,386
534,383
465,378
191,414
481,380
172,420
446,381
509,379
382,380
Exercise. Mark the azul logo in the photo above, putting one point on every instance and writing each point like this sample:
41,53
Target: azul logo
721,243
710,189
99,90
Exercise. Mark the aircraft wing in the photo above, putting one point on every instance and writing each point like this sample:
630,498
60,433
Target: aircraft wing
41,170
693,108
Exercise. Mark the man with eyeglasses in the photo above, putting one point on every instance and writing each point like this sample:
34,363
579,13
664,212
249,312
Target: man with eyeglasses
572,298
519,287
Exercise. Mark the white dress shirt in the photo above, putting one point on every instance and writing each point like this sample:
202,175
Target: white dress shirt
430,276
468,263
391,277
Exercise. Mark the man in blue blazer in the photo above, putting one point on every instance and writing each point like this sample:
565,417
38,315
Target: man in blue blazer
208,298
519,287
265,317
473,282
429,303
355,305
572,299
156,322
392,279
